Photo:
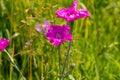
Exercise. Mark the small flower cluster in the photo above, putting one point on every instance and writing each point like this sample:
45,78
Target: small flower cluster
58,34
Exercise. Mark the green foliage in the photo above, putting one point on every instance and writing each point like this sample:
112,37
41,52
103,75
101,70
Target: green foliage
96,40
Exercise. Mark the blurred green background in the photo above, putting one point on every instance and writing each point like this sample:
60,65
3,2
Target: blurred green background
96,40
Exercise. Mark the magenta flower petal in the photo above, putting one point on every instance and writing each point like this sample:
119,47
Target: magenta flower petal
3,44
74,4
58,34
57,42
69,37
72,13
83,13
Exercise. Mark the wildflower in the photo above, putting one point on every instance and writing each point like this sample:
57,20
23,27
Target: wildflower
58,34
44,28
72,13
3,44
38,28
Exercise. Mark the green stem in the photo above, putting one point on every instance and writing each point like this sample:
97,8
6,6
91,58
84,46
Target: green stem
68,50
59,60
14,65
66,59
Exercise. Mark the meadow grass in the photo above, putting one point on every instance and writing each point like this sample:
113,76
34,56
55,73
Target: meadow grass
95,48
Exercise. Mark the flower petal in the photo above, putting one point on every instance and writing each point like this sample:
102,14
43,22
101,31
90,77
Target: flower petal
83,13
3,44
38,28
46,26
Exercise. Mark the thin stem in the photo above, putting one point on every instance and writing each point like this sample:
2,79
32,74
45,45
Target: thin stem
67,56
68,50
59,60
14,65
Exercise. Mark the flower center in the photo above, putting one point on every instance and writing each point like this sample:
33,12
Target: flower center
59,35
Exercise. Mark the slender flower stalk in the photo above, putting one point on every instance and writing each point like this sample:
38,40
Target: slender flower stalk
67,53
65,62
14,65
3,44
59,57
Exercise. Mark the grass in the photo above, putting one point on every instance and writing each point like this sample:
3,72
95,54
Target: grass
96,40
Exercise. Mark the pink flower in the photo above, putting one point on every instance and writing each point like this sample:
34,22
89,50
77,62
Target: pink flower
72,13
43,28
46,26
58,34
3,44
38,28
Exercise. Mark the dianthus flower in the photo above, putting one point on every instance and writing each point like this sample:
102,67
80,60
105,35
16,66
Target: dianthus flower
72,13
3,44
58,34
